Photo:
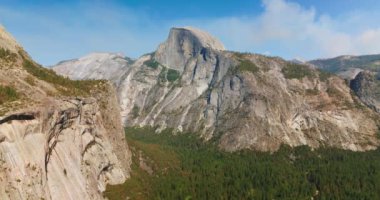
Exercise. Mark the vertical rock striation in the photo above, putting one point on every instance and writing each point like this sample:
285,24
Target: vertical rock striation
241,101
59,139
63,151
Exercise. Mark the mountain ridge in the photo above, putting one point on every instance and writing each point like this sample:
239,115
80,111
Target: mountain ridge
242,101
363,73
59,138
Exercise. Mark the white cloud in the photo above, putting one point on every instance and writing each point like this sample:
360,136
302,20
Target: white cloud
290,30
59,33
368,42
283,28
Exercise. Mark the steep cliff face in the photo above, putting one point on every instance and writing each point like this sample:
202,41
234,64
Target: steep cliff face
184,44
241,100
59,139
367,87
362,71
60,151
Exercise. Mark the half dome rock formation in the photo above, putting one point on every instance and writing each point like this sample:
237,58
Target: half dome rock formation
59,139
185,43
240,101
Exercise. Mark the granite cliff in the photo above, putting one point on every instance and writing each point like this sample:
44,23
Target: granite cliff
363,73
59,139
240,101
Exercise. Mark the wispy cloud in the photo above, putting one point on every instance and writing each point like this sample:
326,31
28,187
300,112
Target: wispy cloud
58,33
283,28
290,30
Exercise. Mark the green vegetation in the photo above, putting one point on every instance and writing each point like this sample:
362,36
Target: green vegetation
64,85
135,111
172,75
7,55
324,76
312,92
168,74
7,94
30,80
247,65
335,65
187,168
333,92
152,64
241,55
297,71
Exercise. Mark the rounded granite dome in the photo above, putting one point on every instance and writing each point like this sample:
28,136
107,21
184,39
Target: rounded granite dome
204,38
183,44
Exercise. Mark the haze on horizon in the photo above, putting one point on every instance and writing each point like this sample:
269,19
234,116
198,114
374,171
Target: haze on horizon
52,31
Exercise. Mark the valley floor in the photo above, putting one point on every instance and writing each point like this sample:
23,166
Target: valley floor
183,167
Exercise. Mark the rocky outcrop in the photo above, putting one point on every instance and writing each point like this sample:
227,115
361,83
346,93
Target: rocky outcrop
367,87
183,44
242,101
362,72
59,139
60,151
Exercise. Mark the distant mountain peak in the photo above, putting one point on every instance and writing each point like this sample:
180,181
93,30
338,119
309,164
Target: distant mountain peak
184,43
90,66
298,61
206,39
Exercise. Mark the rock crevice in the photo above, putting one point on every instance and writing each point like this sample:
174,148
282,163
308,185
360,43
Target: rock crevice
77,161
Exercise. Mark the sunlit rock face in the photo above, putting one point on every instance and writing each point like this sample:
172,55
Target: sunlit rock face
92,66
183,44
53,145
241,101
61,151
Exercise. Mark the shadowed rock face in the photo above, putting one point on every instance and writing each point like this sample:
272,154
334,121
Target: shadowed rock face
53,145
241,101
367,87
22,116
363,72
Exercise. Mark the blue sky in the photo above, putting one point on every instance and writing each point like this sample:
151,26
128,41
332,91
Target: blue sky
52,31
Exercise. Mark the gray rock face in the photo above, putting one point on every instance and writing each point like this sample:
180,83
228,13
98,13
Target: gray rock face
59,151
362,72
183,44
243,101
367,87
53,145
92,66
350,73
